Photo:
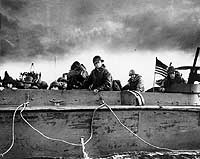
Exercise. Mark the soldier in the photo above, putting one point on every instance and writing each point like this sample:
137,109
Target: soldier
31,80
100,79
173,77
54,85
28,82
76,76
62,83
42,85
8,82
135,82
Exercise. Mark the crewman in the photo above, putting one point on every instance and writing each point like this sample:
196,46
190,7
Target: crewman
135,82
100,78
173,77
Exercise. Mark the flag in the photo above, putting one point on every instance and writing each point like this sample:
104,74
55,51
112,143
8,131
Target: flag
161,68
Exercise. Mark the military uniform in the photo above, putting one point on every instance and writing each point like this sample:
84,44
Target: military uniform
100,79
76,76
135,84
168,81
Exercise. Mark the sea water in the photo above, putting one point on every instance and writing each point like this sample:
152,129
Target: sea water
154,155
139,155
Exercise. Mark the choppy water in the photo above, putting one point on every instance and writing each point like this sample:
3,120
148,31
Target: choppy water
141,155
155,155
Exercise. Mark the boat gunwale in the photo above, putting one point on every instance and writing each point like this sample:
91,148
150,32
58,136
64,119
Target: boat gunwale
113,107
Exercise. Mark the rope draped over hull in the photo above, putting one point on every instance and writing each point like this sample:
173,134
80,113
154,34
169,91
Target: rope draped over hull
83,143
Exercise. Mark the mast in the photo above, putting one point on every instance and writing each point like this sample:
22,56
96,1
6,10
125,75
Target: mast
193,71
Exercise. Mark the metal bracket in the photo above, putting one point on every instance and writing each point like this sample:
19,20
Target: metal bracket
56,102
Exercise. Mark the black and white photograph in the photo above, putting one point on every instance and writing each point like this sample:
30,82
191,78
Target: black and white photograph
99,79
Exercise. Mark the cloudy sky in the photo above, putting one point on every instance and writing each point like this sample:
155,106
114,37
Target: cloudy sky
126,33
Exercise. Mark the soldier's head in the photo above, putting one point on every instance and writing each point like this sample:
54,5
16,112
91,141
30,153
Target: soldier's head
132,73
54,85
28,81
171,72
75,65
43,85
8,83
97,61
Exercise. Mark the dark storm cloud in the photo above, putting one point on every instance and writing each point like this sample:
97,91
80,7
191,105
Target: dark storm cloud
150,31
14,5
19,43
46,28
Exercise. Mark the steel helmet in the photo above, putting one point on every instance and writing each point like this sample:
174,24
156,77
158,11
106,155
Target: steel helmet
131,72
97,58
170,70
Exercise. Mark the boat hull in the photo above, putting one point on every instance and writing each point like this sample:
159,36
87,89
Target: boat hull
165,121
167,129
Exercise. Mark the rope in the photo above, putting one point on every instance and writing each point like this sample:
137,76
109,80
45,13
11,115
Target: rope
85,155
13,131
135,133
105,105
82,141
45,136
91,131
140,138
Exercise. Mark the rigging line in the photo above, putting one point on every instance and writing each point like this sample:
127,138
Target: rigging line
45,136
13,131
161,148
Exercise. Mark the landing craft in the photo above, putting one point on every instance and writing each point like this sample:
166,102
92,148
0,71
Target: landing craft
77,123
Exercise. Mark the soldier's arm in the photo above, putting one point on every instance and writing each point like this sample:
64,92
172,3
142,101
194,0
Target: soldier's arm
107,82
140,85
126,87
88,81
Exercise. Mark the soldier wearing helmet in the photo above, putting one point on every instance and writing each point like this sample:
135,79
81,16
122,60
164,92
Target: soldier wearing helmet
173,77
8,81
28,82
135,82
100,79
54,85
76,76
